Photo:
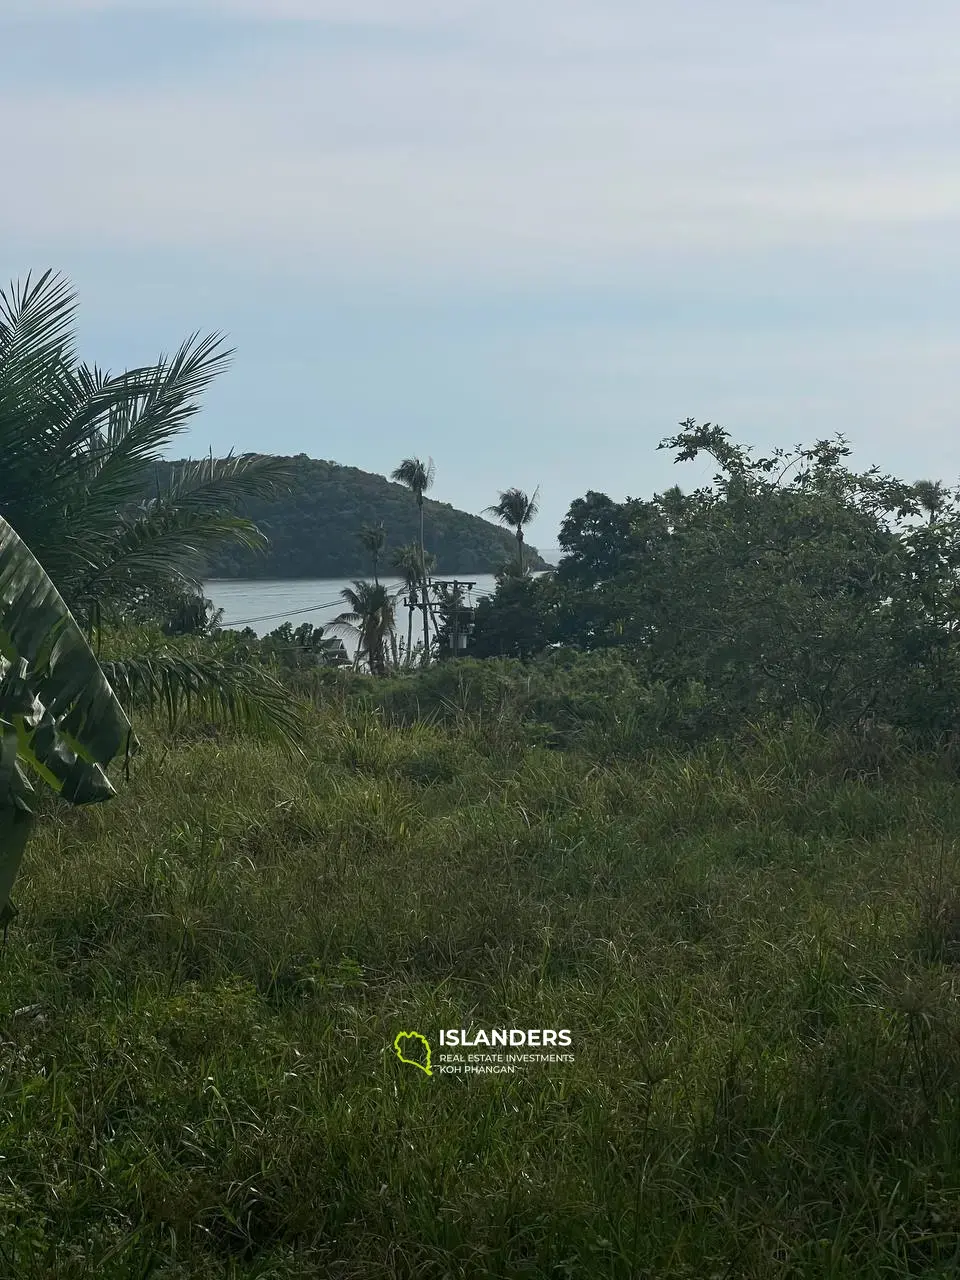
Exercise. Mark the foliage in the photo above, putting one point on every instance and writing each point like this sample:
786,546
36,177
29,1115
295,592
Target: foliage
515,622
78,460
407,562
373,538
83,540
371,617
515,509
60,720
293,648
792,582
418,476
415,475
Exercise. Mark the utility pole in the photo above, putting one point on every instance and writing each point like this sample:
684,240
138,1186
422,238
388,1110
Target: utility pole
457,586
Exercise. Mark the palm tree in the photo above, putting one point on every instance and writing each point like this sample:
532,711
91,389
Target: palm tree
371,617
406,561
418,477
80,543
374,538
515,509
932,495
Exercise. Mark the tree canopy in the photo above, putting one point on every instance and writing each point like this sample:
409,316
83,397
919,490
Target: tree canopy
791,581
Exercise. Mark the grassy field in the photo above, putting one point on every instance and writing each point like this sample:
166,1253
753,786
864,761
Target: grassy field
753,947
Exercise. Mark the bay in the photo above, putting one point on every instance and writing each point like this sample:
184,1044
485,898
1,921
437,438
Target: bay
265,604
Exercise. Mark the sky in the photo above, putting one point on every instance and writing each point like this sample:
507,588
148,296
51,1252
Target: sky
526,238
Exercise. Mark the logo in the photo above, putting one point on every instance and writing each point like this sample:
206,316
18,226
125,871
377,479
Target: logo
408,1040
487,1061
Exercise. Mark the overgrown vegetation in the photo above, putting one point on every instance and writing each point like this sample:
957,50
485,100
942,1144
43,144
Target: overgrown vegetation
753,943
693,798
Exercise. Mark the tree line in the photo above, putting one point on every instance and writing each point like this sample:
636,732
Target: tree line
790,581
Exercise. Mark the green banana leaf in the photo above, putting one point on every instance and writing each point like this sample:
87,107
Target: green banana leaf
60,720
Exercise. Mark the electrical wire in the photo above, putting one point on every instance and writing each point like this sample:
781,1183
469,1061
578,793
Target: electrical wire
286,613
314,608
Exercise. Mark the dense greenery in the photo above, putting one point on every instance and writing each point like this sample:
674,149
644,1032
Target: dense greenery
314,531
791,582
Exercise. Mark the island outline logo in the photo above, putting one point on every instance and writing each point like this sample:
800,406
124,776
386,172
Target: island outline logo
411,1062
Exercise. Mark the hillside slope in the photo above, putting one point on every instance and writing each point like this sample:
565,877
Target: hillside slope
313,532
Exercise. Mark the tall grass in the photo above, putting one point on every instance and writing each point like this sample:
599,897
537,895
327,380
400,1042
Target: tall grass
753,944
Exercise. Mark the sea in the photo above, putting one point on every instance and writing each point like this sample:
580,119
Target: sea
265,604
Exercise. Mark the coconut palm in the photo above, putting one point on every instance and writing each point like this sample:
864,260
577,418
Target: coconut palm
371,618
374,538
515,510
79,481
932,496
418,477
85,538
406,561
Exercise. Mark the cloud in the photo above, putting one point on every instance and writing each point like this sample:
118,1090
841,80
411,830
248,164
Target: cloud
388,13
542,142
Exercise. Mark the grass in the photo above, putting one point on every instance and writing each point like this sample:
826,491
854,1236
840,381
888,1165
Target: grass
753,946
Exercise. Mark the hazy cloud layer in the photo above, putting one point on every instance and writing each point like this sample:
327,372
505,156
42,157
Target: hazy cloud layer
544,140
744,211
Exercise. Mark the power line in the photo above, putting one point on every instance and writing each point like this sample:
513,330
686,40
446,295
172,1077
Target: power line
287,613
314,608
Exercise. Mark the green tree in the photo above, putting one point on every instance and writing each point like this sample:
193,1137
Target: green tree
932,496
791,581
418,477
371,618
774,588
517,621
406,561
515,509
374,538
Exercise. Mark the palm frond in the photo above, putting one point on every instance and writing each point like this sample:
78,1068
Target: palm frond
514,507
153,405
172,686
213,484
373,537
164,543
36,324
348,624
417,475
75,448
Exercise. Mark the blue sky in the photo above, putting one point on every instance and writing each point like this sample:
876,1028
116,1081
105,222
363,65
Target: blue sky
526,237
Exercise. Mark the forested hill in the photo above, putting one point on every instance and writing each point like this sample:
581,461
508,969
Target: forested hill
313,532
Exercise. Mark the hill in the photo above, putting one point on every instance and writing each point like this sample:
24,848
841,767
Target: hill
313,531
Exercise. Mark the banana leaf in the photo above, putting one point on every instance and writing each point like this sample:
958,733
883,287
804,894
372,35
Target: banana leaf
60,720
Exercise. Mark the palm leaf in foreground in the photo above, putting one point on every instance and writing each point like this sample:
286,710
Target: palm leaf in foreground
174,686
60,720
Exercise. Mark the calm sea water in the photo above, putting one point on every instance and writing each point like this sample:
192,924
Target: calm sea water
264,605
